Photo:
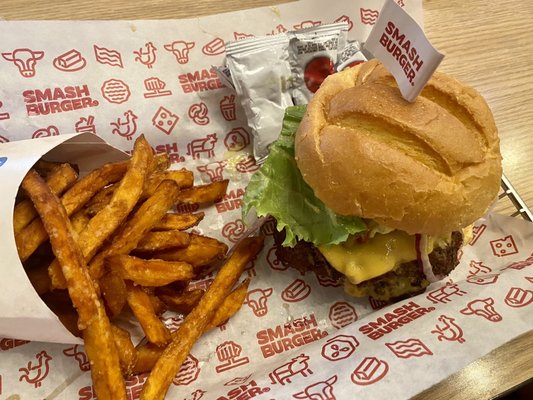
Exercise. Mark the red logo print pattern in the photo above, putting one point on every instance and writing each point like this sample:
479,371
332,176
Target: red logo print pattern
448,330
36,370
108,56
503,247
409,348
146,55
165,120
25,60
229,354
342,314
126,127
369,371
322,390
483,308
339,347
256,299
284,373
518,297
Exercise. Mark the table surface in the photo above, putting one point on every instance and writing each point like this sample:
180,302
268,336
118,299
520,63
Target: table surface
487,44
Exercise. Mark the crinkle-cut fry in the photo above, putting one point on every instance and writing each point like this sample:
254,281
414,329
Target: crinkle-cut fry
40,279
183,177
102,352
180,222
154,241
125,197
232,303
59,180
142,221
204,194
113,289
126,350
201,251
154,329
198,319
100,200
179,301
152,272
56,223
34,234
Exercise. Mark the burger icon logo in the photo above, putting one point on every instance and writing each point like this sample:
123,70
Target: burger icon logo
342,314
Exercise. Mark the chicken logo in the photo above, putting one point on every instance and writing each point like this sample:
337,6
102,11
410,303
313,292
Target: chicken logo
25,60
409,348
36,373
125,128
284,373
204,146
322,390
45,132
483,308
256,299
79,355
448,330
146,55
180,49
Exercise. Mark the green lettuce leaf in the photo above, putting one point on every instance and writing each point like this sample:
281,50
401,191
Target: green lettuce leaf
279,190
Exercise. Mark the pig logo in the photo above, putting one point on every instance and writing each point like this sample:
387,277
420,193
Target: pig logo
256,299
369,371
36,373
449,330
322,390
180,49
409,348
503,247
339,347
25,60
518,297
204,146
284,373
483,308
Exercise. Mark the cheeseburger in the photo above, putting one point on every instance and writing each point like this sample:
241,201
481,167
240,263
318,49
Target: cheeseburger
380,191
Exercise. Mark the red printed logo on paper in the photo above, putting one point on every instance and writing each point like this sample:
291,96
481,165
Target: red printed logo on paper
244,392
172,150
339,347
188,372
505,246
369,371
409,348
198,114
296,291
322,390
172,323
45,132
284,373
328,280
521,264
376,304
228,108
36,370
115,91
165,120
345,18
85,125
247,164
79,355
307,24
6,343
529,279
229,355
518,297
443,294
273,260
483,280
278,29
3,115
368,16
125,127
180,49
342,314
196,395
478,268
201,80
25,60
231,201
234,230
155,87
448,330
70,61
241,35
214,47
483,308
477,231
146,55
134,386
237,139
256,299
204,147
213,170
239,380
108,56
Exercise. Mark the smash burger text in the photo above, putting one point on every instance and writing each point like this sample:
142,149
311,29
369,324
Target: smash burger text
394,319
57,99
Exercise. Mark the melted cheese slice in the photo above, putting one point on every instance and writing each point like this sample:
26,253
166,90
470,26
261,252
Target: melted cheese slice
379,255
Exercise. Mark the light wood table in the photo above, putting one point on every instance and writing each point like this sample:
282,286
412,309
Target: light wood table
487,44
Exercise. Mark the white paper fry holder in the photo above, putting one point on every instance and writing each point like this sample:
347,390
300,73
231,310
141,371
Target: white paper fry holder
22,312
401,45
